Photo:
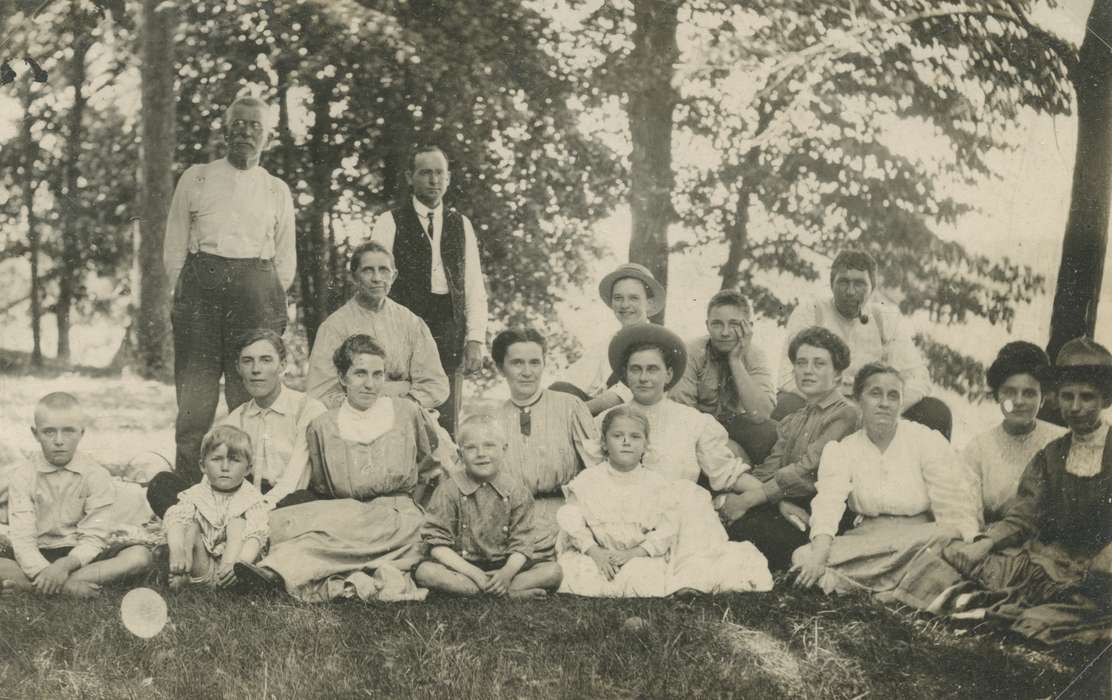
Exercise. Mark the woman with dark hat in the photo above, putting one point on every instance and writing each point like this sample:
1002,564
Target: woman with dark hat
1047,563
633,294
996,457
686,444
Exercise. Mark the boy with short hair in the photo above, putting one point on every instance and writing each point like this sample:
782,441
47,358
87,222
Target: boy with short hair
479,525
58,513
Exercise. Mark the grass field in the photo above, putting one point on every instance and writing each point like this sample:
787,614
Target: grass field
784,643
779,644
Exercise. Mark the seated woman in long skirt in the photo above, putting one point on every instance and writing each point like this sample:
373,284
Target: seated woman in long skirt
1045,567
996,458
904,482
621,523
369,457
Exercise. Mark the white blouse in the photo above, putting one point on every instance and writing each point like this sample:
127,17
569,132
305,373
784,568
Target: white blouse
919,472
996,460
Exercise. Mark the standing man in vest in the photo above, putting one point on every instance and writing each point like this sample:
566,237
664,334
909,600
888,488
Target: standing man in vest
229,252
438,272
873,332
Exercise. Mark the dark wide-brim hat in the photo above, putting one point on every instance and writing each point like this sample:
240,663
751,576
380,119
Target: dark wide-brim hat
1082,360
670,344
657,295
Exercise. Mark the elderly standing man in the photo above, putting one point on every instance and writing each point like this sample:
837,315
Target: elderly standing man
413,366
229,251
439,277
873,332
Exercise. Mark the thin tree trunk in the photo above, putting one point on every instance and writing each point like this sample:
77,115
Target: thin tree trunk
652,101
72,247
312,253
1085,242
153,333
30,151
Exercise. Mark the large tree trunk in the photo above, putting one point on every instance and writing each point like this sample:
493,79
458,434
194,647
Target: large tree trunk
652,100
153,336
72,245
30,151
312,247
1086,239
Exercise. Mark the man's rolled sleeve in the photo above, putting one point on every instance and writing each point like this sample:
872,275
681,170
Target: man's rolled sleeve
21,525
474,286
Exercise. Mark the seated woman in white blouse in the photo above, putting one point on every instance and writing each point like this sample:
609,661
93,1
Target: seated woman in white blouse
906,485
996,458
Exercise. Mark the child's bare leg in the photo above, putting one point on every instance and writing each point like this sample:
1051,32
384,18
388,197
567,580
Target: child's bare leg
202,560
433,574
12,577
86,581
537,581
182,542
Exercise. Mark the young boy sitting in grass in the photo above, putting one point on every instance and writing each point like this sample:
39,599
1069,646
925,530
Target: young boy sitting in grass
479,525
58,512
220,521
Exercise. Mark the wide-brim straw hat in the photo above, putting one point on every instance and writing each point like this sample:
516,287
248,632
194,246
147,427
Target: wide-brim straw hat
657,295
1082,360
672,346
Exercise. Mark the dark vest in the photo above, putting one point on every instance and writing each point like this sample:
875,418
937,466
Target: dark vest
413,258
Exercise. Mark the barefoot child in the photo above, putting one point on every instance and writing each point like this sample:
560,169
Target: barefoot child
479,525
220,521
59,503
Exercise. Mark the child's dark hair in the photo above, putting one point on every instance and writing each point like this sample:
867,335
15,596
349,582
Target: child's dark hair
359,344
237,442
623,411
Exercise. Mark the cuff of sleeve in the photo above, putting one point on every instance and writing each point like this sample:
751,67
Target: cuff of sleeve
33,567
654,548
623,392
86,552
479,336
822,530
772,491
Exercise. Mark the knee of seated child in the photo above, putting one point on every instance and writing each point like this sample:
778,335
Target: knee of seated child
137,557
550,573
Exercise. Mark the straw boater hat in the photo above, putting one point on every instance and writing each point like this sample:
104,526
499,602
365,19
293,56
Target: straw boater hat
657,295
672,346
1083,360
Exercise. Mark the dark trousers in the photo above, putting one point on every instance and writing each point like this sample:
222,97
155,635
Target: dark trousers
756,438
775,535
929,411
442,325
217,300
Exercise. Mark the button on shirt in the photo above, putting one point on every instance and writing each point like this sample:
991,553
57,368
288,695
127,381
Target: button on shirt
481,521
918,473
281,453
52,507
473,288
222,210
790,469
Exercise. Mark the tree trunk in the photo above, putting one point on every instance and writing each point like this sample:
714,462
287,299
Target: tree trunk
30,152
738,236
652,100
312,246
72,247
1086,238
153,334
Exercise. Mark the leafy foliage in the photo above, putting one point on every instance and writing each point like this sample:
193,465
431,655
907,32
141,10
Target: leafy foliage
359,83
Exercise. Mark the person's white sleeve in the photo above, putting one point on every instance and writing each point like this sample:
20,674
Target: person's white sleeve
296,475
573,523
474,286
323,383
591,371
948,486
802,317
95,524
428,384
833,487
907,360
285,242
22,525
722,467
384,231
175,244
974,472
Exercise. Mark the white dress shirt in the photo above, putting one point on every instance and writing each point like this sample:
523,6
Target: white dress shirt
475,312
222,210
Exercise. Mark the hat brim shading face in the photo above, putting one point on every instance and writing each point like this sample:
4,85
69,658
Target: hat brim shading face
657,294
671,345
